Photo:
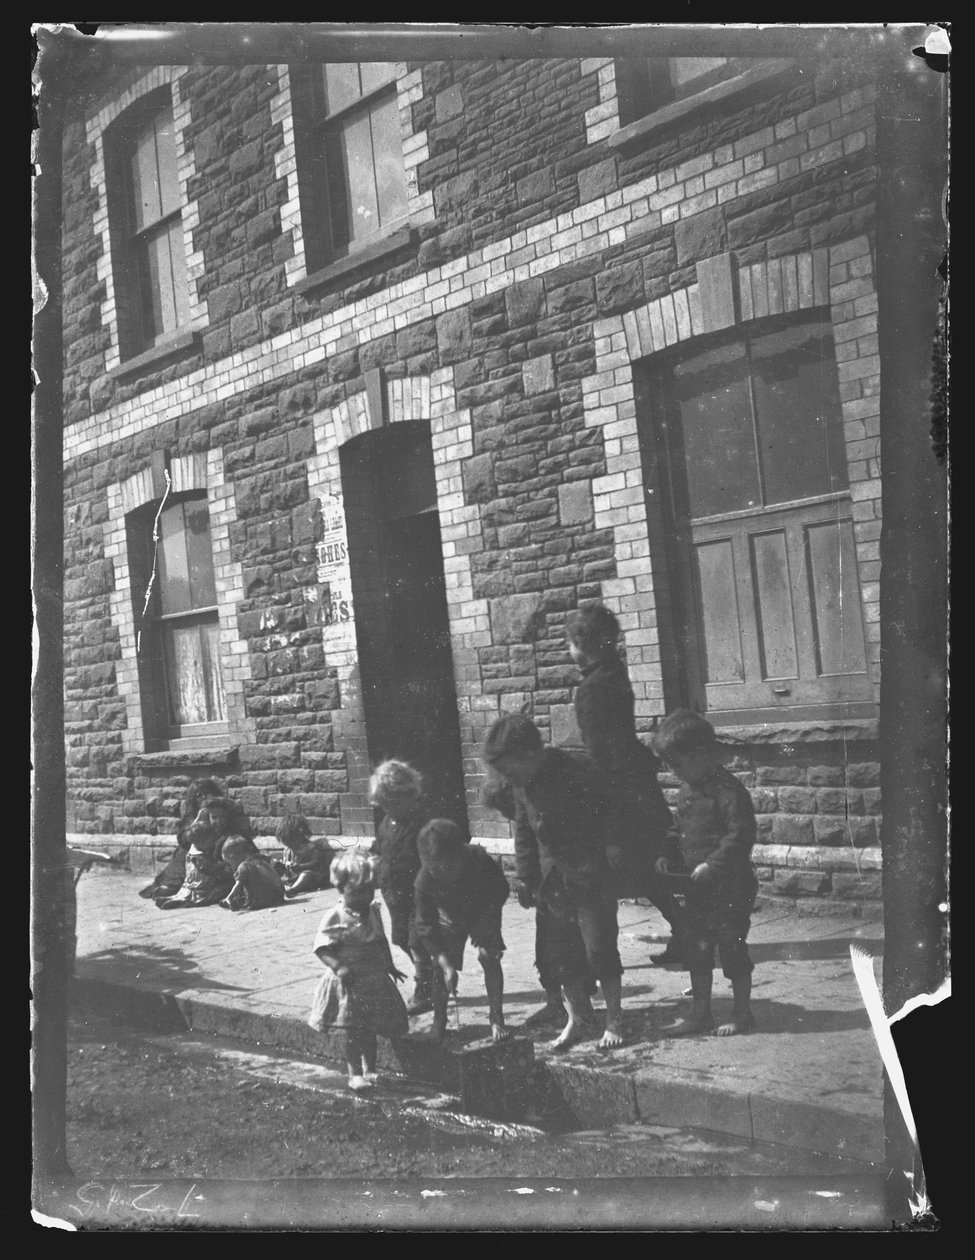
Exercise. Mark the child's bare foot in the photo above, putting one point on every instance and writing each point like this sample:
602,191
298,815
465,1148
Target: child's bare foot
550,1013
737,1024
612,1038
370,1077
573,1031
499,1033
360,1084
437,1033
695,1025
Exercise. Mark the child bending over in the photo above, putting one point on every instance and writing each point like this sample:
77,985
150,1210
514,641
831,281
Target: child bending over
712,839
459,895
357,993
306,867
397,789
562,814
257,884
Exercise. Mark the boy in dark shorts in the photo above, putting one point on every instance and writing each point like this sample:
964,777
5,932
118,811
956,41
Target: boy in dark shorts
459,895
562,833
711,840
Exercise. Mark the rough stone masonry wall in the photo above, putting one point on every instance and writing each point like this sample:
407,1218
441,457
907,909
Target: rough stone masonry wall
538,234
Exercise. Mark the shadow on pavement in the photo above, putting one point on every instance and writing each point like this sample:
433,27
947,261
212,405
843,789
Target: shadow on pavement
149,964
787,951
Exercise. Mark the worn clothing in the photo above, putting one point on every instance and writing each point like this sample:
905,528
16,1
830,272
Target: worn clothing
716,825
315,859
561,833
447,915
399,865
259,883
369,999
207,882
604,710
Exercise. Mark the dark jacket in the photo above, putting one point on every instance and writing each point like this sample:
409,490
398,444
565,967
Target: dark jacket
562,820
715,824
395,847
480,889
604,714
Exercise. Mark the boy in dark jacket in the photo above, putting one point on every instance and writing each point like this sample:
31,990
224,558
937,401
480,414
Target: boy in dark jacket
562,809
711,840
459,895
604,711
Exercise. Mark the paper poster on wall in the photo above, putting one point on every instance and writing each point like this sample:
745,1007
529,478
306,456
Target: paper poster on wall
332,597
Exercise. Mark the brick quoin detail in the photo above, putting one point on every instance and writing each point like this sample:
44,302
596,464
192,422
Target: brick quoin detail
190,216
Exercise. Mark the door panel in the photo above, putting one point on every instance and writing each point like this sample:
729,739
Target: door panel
717,598
773,590
835,598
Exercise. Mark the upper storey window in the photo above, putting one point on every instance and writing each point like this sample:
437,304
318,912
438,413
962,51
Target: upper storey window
649,83
350,158
145,213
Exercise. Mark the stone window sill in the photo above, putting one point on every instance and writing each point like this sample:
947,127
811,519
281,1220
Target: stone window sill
169,349
167,759
352,263
687,109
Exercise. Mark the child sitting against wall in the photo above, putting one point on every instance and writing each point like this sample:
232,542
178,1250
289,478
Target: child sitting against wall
306,867
257,884
397,789
208,878
459,896
169,881
712,840
357,993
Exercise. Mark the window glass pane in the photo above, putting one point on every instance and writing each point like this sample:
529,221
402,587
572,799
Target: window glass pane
360,179
376,73
162,294
716,434
212,674
174,573
145,177
387,148
186,675
199,554
341,85
177,262
166,158
798,412
684,69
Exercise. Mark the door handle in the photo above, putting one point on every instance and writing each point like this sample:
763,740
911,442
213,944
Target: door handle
782,691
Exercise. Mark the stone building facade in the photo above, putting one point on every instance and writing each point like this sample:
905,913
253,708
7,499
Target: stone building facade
347,436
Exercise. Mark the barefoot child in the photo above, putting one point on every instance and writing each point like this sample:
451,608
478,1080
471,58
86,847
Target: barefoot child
459,895
306,868
257,884
603,704
397,789
712,839
357,993
561,834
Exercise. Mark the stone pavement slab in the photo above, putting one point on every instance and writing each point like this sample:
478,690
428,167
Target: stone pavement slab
810,1076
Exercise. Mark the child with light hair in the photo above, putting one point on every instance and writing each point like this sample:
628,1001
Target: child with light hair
397,789
357,994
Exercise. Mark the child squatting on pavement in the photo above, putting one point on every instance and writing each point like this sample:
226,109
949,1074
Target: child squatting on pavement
460,893
712,840
562,810
306,868
357,994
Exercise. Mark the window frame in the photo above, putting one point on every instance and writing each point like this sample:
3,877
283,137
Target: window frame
641,96
674,533
153,628
317,189
135,292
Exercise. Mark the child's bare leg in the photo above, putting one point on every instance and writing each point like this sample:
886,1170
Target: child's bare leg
367,1042
422,999
742,1020
439,995
613,997
304,883
576,1001
699,1020
233,898
494,984
354,1060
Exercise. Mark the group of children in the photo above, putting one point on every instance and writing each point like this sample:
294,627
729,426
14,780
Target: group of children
591,825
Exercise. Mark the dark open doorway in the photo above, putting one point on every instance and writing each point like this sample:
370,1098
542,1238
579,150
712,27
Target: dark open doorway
400,600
